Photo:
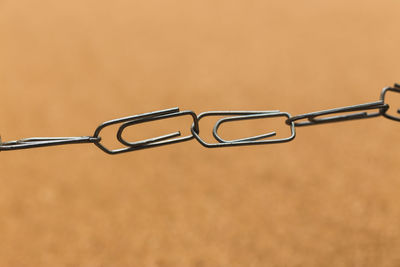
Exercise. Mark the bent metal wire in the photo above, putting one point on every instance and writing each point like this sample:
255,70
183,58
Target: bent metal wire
243,115
355,112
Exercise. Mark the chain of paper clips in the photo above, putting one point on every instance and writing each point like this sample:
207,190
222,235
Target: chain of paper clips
362,111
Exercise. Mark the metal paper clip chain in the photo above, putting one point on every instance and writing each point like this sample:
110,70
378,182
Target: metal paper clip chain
356,112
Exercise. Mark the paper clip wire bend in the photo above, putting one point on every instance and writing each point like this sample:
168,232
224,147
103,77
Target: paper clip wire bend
312,117
395,89
158,141
243,115
147,143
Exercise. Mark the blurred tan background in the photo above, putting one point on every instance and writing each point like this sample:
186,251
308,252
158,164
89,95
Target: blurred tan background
329,198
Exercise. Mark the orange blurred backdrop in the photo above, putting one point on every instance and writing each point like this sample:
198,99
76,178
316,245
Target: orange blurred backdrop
329,198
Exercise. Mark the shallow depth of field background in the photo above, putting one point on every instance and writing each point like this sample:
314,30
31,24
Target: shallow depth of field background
329,198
